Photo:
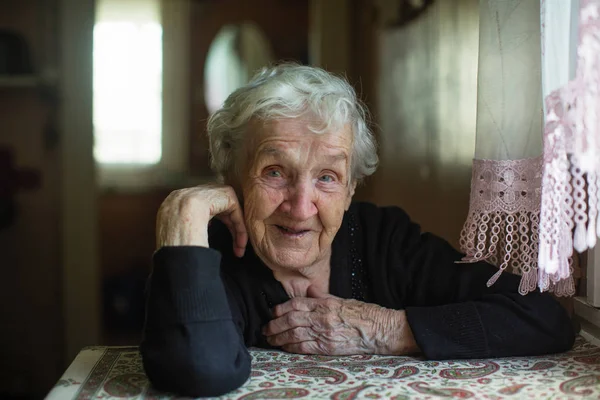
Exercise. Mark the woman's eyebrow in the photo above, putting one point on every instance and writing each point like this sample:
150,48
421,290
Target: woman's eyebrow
276,152
333,158
270,151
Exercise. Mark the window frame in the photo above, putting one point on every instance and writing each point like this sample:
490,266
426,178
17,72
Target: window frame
587,308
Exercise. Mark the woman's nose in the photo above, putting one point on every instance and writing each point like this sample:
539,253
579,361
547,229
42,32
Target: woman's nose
300,204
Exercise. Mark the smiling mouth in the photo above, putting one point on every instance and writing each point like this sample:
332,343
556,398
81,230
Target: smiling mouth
291,232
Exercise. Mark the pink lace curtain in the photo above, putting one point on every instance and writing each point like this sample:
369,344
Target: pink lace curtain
536,167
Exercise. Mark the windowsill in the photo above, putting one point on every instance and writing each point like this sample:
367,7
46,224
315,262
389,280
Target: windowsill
589,318
127,179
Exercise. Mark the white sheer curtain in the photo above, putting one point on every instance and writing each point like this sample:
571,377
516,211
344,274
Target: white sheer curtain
503,221
570,186
509,101
536,166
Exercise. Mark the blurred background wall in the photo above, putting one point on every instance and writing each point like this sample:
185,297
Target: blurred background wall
77,229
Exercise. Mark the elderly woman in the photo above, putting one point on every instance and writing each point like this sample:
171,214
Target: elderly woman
279,256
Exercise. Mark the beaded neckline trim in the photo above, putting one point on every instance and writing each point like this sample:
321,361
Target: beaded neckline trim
357,271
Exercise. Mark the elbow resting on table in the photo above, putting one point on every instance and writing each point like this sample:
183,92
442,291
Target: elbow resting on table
193,373
557,331
566,330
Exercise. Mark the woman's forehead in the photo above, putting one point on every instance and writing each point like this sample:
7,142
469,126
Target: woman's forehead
298,130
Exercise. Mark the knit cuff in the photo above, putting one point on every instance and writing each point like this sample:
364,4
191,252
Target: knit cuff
186,287
452,331
181,267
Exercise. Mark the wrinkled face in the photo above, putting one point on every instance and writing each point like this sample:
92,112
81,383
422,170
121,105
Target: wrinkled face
296,191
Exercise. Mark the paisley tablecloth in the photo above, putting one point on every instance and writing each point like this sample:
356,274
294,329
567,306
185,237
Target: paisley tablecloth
116,372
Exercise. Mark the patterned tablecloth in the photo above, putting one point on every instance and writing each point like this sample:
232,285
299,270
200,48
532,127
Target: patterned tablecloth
116,372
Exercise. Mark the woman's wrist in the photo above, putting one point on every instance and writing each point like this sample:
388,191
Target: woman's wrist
396,336
185,234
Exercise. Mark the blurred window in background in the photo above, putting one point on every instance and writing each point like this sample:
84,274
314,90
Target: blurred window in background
142,92
128,79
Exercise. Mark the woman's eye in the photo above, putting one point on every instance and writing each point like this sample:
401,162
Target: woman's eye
273,173
326,178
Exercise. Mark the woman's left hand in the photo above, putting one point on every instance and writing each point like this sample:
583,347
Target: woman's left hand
325,324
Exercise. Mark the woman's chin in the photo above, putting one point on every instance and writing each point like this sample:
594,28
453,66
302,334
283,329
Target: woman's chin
290,260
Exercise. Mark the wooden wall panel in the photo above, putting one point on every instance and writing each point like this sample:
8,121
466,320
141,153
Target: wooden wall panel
427,80
31,338
127,226
127,242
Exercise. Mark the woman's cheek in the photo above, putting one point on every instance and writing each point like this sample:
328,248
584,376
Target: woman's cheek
331,211
261,202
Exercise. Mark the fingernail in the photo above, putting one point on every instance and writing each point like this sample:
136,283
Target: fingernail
241,251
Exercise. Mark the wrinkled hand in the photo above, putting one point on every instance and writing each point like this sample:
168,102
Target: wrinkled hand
184,215
328,325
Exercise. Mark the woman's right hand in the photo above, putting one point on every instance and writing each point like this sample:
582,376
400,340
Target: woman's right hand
184,215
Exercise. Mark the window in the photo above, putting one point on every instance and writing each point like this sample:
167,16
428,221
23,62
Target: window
128,82
140,57
127,92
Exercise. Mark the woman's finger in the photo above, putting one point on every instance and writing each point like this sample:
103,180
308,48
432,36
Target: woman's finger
296,335
289,321
233,217
316,293
239,226
238,233
307,347
295,304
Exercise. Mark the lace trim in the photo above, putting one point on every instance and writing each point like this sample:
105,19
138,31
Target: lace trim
571,179
506,185
503,222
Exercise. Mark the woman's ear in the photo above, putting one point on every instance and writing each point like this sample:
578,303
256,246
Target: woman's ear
351,190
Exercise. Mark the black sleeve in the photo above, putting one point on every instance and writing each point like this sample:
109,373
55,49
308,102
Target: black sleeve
192,346
451,310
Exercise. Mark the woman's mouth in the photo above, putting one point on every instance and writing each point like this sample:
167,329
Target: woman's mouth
290,232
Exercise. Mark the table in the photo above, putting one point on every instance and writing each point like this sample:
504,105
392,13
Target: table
116,372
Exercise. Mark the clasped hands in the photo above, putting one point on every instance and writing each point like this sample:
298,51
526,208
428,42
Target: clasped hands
317,324
328,325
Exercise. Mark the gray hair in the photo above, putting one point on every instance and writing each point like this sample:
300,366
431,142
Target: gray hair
290,91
